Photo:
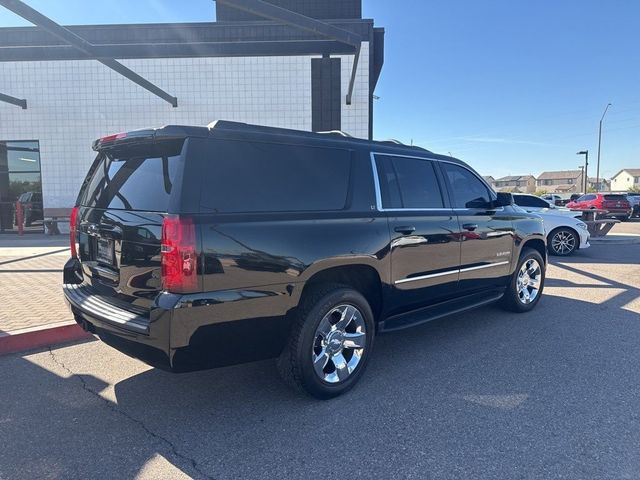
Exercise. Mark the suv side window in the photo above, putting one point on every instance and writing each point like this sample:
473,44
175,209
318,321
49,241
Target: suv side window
408,183
466,189
245,177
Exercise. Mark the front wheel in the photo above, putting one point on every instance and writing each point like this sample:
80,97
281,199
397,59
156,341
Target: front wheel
562,242
330,342
526,284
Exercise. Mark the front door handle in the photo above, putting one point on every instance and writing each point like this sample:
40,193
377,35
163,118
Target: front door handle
470,226
405,229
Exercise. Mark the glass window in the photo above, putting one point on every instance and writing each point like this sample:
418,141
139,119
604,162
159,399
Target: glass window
389,190
263,177
20,186
467,190
134,179
417,183
530,201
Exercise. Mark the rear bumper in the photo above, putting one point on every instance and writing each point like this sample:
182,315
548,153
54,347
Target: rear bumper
145,338
190,332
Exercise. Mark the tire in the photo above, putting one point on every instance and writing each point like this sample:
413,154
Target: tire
562,242
311,342
513,299
624,219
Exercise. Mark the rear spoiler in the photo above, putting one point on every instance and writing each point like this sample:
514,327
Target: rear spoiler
170,132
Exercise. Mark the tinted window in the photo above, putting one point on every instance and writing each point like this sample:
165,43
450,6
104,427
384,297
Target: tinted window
530,201
264,177
140,178
467,190
615,197
389,189
414,179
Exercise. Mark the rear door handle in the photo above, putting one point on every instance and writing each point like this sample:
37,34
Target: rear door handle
405,229
470,226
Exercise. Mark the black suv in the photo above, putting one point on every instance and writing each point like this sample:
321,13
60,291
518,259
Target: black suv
197,247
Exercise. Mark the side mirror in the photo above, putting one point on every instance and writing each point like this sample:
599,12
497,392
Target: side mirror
504,199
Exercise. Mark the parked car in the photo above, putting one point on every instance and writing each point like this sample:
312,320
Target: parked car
555,199
262,242
634,201
616,204
534,204
565,234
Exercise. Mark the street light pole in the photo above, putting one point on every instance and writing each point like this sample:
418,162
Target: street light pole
585,175
599,144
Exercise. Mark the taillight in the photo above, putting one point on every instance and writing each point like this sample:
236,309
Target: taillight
73,232
178,255
113,137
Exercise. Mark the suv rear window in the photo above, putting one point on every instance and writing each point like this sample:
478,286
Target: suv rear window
615,197
137,177
241,177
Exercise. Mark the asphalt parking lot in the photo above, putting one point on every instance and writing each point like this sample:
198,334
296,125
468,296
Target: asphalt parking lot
554,393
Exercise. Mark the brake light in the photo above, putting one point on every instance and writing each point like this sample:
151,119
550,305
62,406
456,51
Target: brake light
73,232
111,138
178,255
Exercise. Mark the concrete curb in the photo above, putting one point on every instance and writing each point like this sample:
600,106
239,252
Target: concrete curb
616,240
42,336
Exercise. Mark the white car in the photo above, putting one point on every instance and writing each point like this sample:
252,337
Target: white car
534,204
565,234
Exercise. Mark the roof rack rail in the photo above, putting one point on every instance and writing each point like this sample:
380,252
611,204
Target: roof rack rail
394,141
336,132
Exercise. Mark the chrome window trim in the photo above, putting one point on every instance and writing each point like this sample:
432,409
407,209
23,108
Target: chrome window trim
376,183
451,272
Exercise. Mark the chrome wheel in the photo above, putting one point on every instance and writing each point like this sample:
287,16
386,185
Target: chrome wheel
529,281
339,343
563,242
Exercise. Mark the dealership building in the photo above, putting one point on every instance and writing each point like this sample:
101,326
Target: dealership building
302,64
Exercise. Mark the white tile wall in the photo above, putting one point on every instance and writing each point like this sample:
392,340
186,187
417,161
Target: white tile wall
71,103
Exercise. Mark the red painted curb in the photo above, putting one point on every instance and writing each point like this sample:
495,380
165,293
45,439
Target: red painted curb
29,339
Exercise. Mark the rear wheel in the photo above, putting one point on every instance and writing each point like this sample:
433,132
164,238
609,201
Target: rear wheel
562,242
330,342
526,284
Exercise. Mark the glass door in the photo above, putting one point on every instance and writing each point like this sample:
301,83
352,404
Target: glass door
20,187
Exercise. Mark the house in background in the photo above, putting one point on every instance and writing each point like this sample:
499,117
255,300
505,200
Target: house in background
603,185
490,180
516,183
625,179
564,181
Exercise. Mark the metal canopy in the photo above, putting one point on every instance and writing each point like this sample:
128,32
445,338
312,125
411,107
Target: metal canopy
273,12
20,102
35,17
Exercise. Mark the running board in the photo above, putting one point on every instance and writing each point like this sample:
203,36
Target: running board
440,310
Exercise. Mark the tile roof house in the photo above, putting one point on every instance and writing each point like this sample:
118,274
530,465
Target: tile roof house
562,181
625,179
516,183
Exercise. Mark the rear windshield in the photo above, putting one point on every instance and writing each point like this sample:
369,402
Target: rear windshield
615,197
242,177
135,178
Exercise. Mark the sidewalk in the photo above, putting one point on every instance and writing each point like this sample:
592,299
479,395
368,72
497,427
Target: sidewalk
33,311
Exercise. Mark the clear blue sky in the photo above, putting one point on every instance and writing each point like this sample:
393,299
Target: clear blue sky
512,87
